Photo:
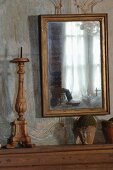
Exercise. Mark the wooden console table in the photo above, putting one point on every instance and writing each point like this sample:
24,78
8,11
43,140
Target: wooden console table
63,157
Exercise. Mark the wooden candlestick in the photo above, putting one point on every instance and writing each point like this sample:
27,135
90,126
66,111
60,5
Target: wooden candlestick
21,105
19,134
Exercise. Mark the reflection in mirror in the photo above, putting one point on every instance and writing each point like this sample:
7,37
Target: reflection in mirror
75,68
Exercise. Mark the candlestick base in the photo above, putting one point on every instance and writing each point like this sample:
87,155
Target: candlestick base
19,135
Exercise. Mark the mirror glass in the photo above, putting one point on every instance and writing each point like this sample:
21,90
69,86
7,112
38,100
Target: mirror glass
75,66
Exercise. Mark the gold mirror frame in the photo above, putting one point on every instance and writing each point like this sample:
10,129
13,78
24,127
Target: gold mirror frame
102,18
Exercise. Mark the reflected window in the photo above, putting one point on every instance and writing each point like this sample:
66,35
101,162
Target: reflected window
81,65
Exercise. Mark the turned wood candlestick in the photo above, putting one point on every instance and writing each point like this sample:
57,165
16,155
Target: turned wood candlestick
21,105
19,134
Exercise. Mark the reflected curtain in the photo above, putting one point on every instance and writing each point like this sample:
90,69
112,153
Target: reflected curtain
81,70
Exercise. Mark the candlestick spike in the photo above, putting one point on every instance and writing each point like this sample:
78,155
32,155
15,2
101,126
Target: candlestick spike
21,53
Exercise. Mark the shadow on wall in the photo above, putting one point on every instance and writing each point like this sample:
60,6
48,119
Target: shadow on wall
6,114
36,66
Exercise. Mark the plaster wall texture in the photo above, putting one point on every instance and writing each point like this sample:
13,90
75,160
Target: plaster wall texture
18,27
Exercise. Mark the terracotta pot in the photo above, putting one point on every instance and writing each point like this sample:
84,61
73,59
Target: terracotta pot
85,135
107,127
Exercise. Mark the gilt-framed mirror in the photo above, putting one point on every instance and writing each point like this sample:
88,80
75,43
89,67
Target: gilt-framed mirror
74,57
